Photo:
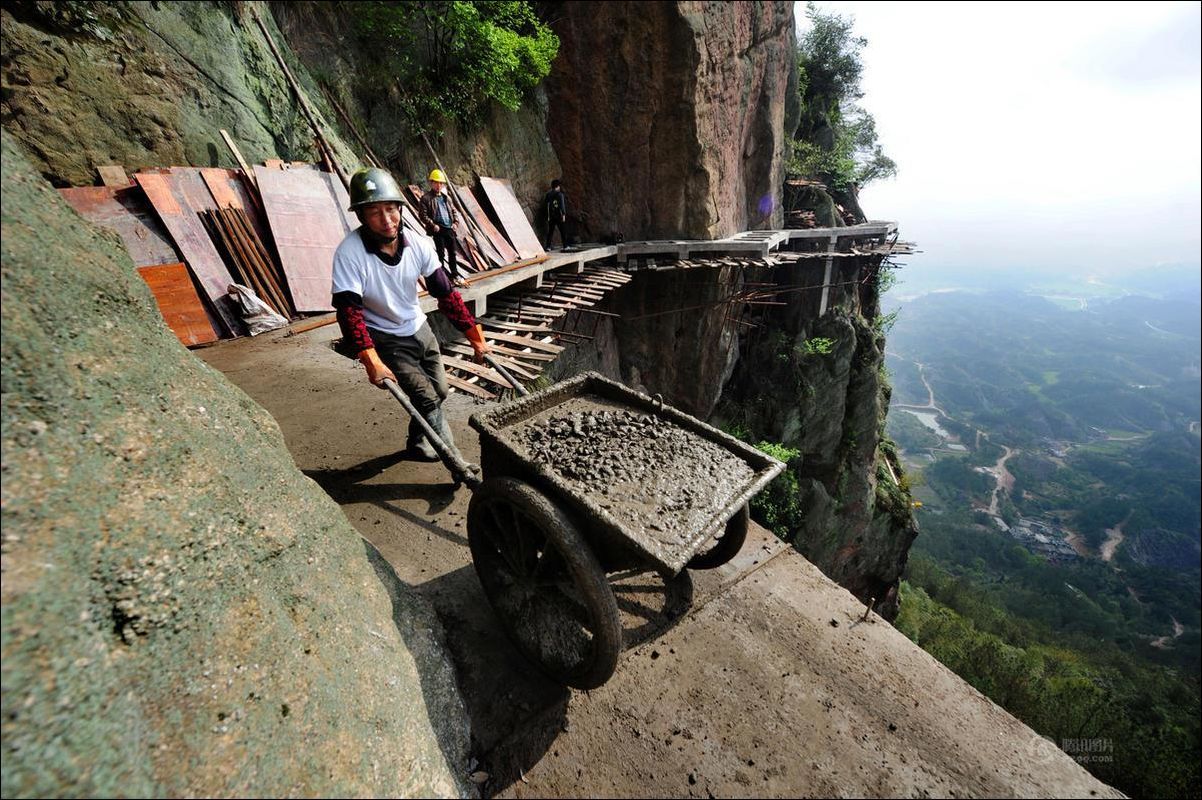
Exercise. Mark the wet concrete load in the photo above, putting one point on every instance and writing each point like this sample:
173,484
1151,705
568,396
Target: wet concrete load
657,479
648,484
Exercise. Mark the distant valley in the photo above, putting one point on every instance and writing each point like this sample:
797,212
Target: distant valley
1051,442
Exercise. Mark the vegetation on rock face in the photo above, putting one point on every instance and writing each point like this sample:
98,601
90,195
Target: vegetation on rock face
836,140
452,59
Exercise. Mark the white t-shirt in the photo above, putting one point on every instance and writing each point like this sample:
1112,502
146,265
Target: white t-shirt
389,293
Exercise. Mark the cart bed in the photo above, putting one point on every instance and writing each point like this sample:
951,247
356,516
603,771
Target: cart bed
640,476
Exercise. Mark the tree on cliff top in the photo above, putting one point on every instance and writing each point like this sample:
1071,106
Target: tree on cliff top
836,140
453,58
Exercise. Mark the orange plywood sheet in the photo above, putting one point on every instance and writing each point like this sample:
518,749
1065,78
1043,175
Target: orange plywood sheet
500,251
309,219
178,205
498,197
179,303
125,211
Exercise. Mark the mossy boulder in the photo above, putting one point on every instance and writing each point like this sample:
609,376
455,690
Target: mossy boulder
184,612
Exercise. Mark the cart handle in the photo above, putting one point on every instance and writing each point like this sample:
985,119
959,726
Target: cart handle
460,470
517,386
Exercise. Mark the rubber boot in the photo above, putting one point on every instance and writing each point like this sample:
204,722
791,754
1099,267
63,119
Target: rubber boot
438,422
417,444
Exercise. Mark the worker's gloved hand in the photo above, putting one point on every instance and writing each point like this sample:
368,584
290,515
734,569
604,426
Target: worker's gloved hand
475,335
377,373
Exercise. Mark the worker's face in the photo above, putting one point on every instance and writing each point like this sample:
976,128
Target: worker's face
383,219
436,187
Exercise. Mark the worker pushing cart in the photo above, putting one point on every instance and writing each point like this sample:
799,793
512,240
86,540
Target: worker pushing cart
375,294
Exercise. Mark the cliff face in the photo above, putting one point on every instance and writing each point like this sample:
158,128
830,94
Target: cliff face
814,380
668,118
184,613
508,144
151,85
146,85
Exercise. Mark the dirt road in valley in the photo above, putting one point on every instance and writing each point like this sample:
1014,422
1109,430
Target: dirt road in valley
1114,537
1003,477
756,679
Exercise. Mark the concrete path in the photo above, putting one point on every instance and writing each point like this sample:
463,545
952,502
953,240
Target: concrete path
757,679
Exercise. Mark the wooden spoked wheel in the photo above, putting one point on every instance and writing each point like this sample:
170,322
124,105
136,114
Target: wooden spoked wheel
544,583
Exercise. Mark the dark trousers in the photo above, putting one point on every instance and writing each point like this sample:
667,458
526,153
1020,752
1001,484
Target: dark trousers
444,240
552,224
417,363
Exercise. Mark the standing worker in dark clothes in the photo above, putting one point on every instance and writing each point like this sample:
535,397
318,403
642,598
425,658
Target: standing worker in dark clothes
376,268
438,215
556,203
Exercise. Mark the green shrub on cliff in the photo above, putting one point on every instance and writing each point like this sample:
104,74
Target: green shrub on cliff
778,506
452,59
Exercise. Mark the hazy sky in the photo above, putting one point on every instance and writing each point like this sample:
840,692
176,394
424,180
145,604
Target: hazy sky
1036,135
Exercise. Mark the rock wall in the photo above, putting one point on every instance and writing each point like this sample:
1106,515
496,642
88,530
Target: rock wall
815,381
508,144
669,118
184,613
147,85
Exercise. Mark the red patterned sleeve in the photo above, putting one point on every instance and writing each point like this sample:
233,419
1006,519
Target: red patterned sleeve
349,307
455,310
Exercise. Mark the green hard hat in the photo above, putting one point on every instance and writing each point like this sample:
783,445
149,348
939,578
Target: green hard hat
373,186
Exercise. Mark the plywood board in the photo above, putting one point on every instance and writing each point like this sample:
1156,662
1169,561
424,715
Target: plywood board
504,252
513,220
125,211
112,175
308,219
179,303
172,204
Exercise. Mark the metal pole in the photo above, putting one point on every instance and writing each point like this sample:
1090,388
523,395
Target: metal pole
458,467
517,386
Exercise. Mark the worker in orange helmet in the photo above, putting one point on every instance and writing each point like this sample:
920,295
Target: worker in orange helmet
376,268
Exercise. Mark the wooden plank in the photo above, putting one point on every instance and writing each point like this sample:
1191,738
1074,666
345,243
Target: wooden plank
576,289
113,175
511,364
513,220
179,303
470,388
529,355
573,291
228,191
513,326
503,250
268,268
511,307
553,299
472,368
308,221
526,341
525,310
246,170
197,248
217,181
126,212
